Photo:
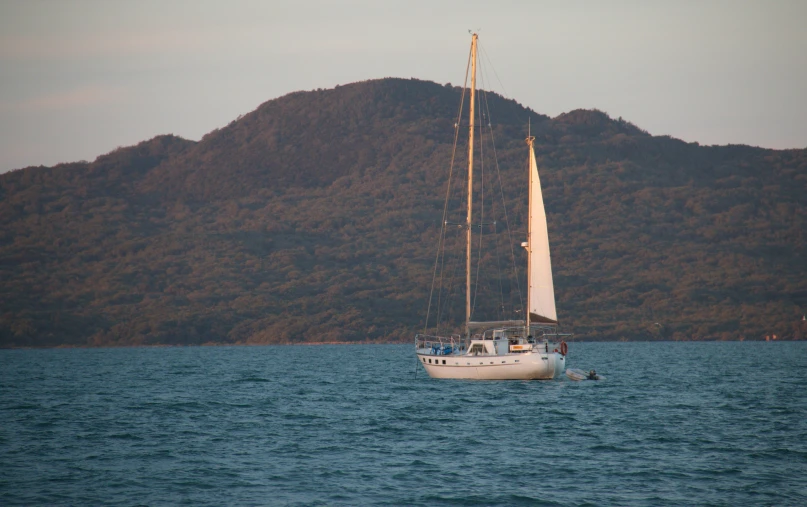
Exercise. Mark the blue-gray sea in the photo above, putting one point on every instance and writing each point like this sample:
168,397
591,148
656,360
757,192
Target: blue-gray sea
673,424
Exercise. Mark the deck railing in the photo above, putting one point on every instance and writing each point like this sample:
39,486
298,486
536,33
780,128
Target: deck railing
438,345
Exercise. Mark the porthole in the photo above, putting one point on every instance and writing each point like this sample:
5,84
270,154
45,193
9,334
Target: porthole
430,361
444,361
424,359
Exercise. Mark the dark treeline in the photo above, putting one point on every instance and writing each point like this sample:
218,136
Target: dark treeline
314,218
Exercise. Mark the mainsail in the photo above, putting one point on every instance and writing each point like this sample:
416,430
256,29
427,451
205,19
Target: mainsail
541,294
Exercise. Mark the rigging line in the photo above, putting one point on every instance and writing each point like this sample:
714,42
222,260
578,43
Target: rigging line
500,310
444,307
448,186
456,262
499,271
482,191
444,299
441,256
499,278
497,247
485,54
504,207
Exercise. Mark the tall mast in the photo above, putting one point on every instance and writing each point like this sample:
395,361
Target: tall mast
470,188
530,140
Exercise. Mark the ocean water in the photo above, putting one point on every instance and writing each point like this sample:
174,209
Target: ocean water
674,424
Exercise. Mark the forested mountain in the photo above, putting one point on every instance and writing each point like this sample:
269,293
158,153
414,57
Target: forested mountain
315,218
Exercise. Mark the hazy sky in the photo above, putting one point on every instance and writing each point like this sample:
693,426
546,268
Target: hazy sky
80,78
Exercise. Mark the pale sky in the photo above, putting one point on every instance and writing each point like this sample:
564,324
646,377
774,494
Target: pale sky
80,78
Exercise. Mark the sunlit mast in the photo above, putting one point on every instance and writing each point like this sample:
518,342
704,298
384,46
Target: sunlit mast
470,190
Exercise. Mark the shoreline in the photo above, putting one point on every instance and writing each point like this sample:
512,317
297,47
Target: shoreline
314,344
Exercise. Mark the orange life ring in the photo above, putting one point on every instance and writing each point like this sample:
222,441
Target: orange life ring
564,348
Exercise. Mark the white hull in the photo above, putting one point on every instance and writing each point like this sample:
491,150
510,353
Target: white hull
523,366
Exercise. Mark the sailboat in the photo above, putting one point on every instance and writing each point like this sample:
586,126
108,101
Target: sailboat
528,349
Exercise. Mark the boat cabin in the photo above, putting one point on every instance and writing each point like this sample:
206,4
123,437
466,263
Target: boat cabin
499,341
496,347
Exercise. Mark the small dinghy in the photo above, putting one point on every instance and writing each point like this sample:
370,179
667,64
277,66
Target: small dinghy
575,374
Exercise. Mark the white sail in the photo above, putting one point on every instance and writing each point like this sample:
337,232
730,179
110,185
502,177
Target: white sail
541,298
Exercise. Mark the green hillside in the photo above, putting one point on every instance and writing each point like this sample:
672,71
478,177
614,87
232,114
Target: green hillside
315,217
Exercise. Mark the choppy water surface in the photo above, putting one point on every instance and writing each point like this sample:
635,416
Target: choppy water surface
674,424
